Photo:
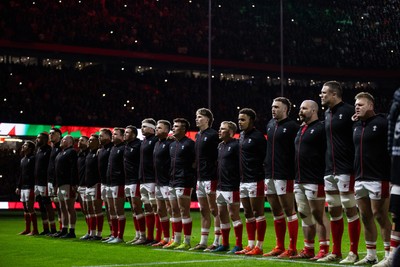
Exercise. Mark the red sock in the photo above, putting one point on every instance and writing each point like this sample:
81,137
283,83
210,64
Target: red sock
309,247
92,222
394,243
46,226
280,231
337,233
121,226
251,228
293,227
354,235
187,228
149,218
261,225
142,223
87,219
177,227
165,228
53,227
33,219
99,222
225,236
238,234
27,218
324,246
158,227
114,225
135,223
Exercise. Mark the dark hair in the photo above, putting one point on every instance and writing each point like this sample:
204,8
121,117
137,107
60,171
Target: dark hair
206,112
120,130
249,112
166,123
335,87
285,101
183,121
45,136
133,128
95,136
85,137
106,131
57,130
31,145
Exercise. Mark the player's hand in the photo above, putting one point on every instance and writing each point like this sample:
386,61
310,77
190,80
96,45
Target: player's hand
17,191
354,117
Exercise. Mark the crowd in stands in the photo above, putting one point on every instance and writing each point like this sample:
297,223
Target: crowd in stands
107,96
351,34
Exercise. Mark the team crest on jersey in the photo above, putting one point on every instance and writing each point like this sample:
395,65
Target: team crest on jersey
205,138
374,128
268,129
312,131
249,140
183,147
131,149
397,131
118,151
150,142
229,148
340,116
163,146
284,130
94,155
64,153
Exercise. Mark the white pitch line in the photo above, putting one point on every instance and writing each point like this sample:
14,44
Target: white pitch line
159,263
231,258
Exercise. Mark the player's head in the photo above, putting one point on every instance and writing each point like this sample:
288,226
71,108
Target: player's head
204,118
364,105
246,118
331,93
148,126
281,108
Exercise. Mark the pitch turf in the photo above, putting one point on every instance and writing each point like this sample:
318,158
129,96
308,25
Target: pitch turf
45,251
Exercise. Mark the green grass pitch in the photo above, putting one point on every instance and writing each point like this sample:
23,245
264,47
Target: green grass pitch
46,251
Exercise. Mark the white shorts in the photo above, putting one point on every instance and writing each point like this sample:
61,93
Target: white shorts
41,190
148,193
278,187
255,189
204,188
342,182
93,193
179,192
162,192
104,192
228,197
395,189
82,192
27,195
310,191
132,190
375,190
65,192
117,191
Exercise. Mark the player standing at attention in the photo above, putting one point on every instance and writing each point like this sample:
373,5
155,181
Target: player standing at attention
372,174
206,165
228,197
162,163
132,187
310,145
279,172
339,175
252,146
25,187
181,184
